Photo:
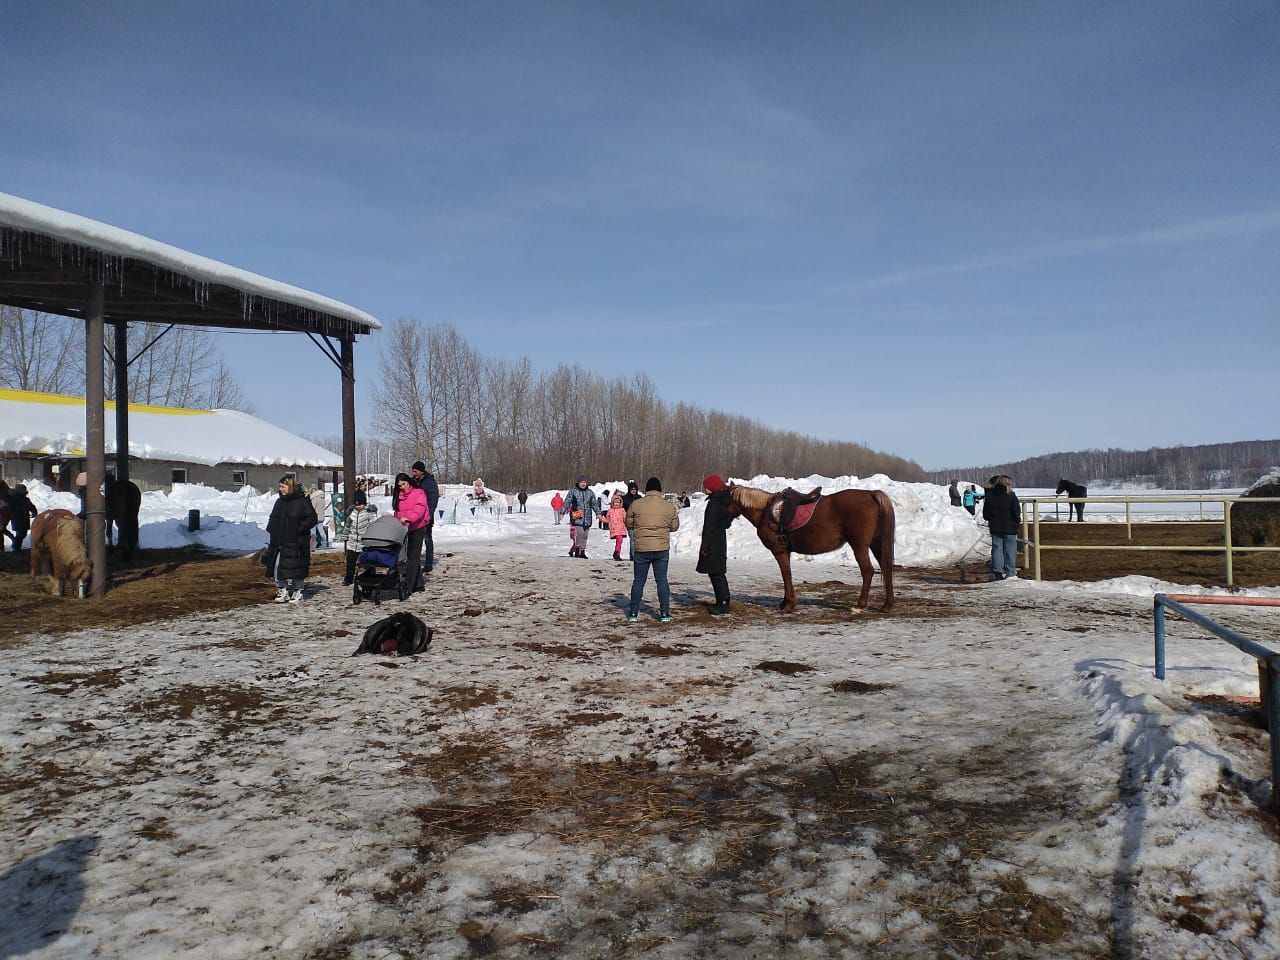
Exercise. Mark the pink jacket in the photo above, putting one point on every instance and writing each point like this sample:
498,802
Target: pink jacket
617,518
413,508
557,502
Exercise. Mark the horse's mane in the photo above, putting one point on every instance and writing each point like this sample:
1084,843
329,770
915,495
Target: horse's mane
68,538
753,498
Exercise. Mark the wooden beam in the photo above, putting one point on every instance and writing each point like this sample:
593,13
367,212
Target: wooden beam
95,429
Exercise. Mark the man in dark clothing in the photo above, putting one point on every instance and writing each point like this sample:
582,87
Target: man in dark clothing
523,498
426,482
628,498
714,552
954,492
1003,513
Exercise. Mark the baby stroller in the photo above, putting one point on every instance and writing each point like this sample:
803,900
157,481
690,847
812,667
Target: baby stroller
384,555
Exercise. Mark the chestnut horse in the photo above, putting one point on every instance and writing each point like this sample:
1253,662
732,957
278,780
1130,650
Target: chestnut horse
57,550
864,519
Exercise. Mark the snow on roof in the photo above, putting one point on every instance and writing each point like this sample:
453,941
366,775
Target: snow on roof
70,228
48,423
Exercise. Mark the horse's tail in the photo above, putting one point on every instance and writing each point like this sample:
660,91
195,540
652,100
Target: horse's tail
882,543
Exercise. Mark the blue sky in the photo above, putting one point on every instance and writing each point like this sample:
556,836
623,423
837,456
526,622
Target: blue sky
962,233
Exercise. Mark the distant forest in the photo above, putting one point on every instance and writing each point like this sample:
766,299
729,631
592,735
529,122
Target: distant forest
1205,467
436,398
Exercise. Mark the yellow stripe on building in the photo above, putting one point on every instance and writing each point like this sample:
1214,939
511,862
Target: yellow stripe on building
57,399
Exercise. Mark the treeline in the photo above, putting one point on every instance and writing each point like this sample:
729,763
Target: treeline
1203,467
171,367
470,416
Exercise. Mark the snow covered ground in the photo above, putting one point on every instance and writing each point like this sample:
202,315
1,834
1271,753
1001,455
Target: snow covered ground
991,771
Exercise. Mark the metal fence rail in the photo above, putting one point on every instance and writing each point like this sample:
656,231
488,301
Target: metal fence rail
1032,545
1268,661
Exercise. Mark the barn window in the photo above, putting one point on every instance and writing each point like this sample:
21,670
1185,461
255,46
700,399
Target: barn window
239,477
178,475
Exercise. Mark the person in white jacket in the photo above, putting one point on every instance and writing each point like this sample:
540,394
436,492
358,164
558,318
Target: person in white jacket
361,514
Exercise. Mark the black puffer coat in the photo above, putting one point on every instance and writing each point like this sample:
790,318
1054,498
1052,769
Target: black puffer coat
292,519
713,555
1001,510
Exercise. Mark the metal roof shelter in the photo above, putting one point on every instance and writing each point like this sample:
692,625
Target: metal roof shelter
57,262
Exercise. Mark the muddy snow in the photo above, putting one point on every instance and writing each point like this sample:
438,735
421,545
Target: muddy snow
992,770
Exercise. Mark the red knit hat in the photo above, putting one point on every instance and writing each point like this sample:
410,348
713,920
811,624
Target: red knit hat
712,483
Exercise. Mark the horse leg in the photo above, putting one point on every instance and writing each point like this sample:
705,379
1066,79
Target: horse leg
863,557
788,590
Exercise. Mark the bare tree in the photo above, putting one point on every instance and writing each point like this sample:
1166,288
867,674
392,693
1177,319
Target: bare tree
40,351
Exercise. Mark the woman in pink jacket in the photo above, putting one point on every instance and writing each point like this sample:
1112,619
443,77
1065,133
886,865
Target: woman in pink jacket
411,510
617,517
557,504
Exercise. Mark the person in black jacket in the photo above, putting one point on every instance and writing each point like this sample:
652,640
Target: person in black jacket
21,510
289,551
1003,513
713,555
631,496
426,482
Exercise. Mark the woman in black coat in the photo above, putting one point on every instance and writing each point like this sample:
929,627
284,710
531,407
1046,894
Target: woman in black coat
713,556
289,552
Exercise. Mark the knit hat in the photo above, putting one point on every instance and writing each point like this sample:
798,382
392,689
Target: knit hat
582,478
712,483
653,483
418,465
359,499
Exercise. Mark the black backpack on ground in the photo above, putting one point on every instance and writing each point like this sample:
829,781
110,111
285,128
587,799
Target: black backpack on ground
401,634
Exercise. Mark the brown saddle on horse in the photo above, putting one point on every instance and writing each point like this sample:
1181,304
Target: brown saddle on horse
790,510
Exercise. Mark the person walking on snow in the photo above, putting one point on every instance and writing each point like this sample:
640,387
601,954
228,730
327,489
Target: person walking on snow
359,517
970,500
1003,513
319,503
425,481
581,507
616,518
411,510
523,498
651,521
21,510
713,554
557,502
290,527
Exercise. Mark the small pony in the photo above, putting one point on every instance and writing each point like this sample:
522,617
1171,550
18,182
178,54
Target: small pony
1073,490
864,519
57,550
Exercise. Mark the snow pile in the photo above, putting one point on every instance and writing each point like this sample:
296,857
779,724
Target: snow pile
236,521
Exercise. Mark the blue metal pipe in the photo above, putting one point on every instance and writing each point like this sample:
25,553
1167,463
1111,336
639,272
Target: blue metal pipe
1268,680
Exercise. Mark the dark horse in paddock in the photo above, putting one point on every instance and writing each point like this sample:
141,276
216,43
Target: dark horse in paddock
124,500
864,519
1073,490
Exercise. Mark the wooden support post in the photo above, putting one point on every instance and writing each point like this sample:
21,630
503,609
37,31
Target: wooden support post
348,419
95,436
122,403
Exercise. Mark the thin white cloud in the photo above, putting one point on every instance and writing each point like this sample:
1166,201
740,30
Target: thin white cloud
1196,231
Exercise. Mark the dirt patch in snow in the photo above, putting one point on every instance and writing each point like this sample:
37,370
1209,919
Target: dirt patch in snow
750,822
154,585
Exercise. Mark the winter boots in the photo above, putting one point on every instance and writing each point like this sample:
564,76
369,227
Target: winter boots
718,609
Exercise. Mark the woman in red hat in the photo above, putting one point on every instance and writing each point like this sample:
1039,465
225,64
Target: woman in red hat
713,556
